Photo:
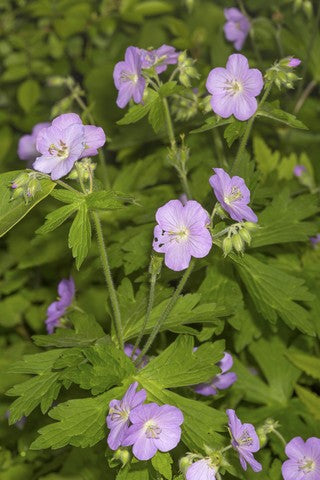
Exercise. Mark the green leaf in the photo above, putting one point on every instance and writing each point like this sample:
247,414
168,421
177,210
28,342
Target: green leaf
186,367
80,422
270,111
275,293
152,7
28,94
36,363
157,116
169,88
234,131
12,310
11,212
306,363
213,122
79,238
134,471
310,400
161,462
56,218
137,112
103,200
67,196
264,157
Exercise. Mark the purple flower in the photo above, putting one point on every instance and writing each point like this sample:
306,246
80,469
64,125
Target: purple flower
244,440
119,412
27,143
315,240
159,58
128,349
57,309
64,142
237,27
304,459
201,470
294,62
233,195
234,88
153,428
221,381
19,423
128,79
299,170
182,233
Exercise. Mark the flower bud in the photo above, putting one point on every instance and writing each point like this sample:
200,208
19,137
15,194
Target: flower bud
262,436
18,192
227,246
33,187
155,265
307,8
184,463
245,235
237,243
21,180
123,455
251,226
56,81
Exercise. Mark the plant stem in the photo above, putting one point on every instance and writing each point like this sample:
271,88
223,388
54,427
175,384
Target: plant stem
304,95
166,312
279,436
108,278
153,281
246,135
66,186
169,122
226,448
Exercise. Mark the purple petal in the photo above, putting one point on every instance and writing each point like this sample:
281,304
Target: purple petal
94,138
233,14
237,65
200,242
295,448
132,59
195,215
168,439
27,148
177,256
168,415
222,105
234,423
216,81
45,164
221,183
227,361
248,457
239,183
65,120
201,470
66,291
290,471
239,212
244,106
117,434
143,413
170,215
205,389
253,82
225,380
144,448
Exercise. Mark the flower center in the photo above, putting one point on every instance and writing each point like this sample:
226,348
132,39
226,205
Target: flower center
118,413
307,465
180,236
61,151
233,87
152,429
129,77
235,194
245,439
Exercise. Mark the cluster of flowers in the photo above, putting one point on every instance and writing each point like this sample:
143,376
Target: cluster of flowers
147,427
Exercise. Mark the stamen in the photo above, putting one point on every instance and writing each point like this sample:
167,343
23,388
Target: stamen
307,465
152,429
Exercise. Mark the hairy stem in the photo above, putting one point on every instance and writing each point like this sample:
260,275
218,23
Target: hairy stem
304,95
108,278
280,437
66,186
166,312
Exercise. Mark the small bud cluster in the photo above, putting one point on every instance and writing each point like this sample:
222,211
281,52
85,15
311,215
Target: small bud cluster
187,71
281,73
305,6
83,170
186,106
238,236
26,185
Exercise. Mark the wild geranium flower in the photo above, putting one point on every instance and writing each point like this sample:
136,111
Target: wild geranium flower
128,79
236,28
119,412
182,233
299,170
27,143
153,428
128,349
201,470
64,142
244,440
221,381
304,459
159,58
294,62
234,88
315,240
57,309
233,195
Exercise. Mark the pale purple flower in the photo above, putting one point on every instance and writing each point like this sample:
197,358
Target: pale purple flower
64,142
222,381
233,195
19,423
153,428
294,62
160,58
315,240
299,170
182,233
201,470
57,309
27,143
119,412
304,459
128,78
244,440
234,88
236,28
128,349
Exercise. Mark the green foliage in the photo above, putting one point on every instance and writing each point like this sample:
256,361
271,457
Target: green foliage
79,238
268,110
161,462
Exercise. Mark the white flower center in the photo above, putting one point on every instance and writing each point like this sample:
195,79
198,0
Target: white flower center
307,465
61,151
180,236
118,413
129,77
245,439
234,195
233,87
152,430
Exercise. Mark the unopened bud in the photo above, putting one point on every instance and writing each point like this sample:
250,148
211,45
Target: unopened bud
18,192
307,8
237,243
227,246
56,81
251,226
21,180
33,187
184,463
262,436
245,235
297,5
155,265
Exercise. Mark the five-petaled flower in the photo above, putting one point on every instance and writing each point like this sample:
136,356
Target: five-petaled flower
159,58
57,309
315,240
128,78
153,428
202,470
27,143
236,28
233,195
221,381
118,416
234,88
294,62
244,440
64,142
182,233
304,459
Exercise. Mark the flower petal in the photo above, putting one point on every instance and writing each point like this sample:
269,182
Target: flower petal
237,65
201,470
65,120
244,106
253,82
177,256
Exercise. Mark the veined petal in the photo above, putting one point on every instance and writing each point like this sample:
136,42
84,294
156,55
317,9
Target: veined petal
244,106
237,65
177,256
